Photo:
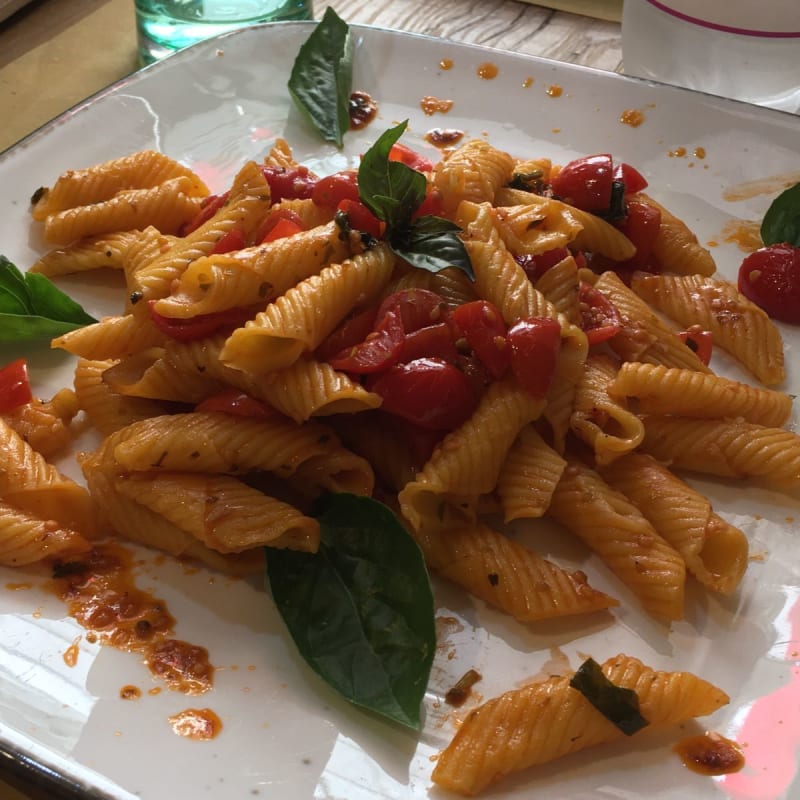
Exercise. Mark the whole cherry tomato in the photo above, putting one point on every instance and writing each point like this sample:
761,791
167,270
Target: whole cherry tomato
770,277
15,388
586,183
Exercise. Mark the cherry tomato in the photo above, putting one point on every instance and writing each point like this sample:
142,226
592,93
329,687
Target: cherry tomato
428,392
770,278
237,403
274,218
536,266
15,388
641,225
700,341
296,183
331,190
535,345
630,176
232,240
409,157
361,218
187,330
600,319
208,208
352,331
379,350
281,229
432,205
432,341
586,183
485,331
417,308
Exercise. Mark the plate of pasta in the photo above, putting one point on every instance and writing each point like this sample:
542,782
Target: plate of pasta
505,306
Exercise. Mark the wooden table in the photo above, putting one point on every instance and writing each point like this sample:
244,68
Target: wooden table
56,53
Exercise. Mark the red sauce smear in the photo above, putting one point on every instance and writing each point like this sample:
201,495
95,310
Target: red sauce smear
362,109
99,590
443,137
710,754
196,723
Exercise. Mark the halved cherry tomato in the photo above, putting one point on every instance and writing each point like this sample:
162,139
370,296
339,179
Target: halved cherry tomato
15,388
432,205
700,341
536,266
350,333
535,346
237,403
379,351
296,183
485,331
274,218
428,392
281,229
630,176
361,218
641,225
332,189
187,330
586,183
600,319
418,308
232,240
432,341
411,158
770,278
208,208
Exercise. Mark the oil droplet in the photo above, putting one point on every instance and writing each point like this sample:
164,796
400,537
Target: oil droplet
430,105
554,91
555,130
699,152
487,71
16,587
527,83
446,63
200,724
130,692
632,117
678,152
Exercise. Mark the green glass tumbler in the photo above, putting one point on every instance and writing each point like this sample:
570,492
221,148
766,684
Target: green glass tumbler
164,26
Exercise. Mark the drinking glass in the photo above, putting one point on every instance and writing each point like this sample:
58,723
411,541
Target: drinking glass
164,26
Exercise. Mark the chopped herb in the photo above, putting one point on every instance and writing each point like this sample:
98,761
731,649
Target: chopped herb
615,703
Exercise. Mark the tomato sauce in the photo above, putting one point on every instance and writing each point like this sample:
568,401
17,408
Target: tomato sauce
101,594
710,754
443,137
431,105
488,71
200,724
632,117
554,91
362,109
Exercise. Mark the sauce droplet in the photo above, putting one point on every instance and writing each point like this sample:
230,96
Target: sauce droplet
130,692
632,117
430,105
442,137
699,152
362,109
71,653
487,71
527,83
554,91
200,724
678,152
446,63
710,754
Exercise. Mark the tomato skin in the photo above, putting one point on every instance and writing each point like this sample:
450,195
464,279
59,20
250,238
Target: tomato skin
633,179
700,341
600,319
236,403
332,189
281,229
15,387
209,206
641,225
188,330
586,183
770,278
429,392
411,158
432,341
352,331
536,266
232,240
418,308
379,350
361,218
486,333
535,346
296,183
272,221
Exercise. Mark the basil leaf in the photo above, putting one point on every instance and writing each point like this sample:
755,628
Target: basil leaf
781,223
322,77
432,243
391,190
360,610
32,307
615,703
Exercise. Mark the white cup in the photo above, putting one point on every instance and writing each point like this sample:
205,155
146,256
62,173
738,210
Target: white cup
743,49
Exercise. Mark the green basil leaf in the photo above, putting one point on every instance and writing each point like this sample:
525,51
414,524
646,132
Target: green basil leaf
322,77
32,307
391,190
360,610
781,223
615,703
432,243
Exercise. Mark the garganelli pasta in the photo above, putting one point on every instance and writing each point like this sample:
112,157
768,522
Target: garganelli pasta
272,346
